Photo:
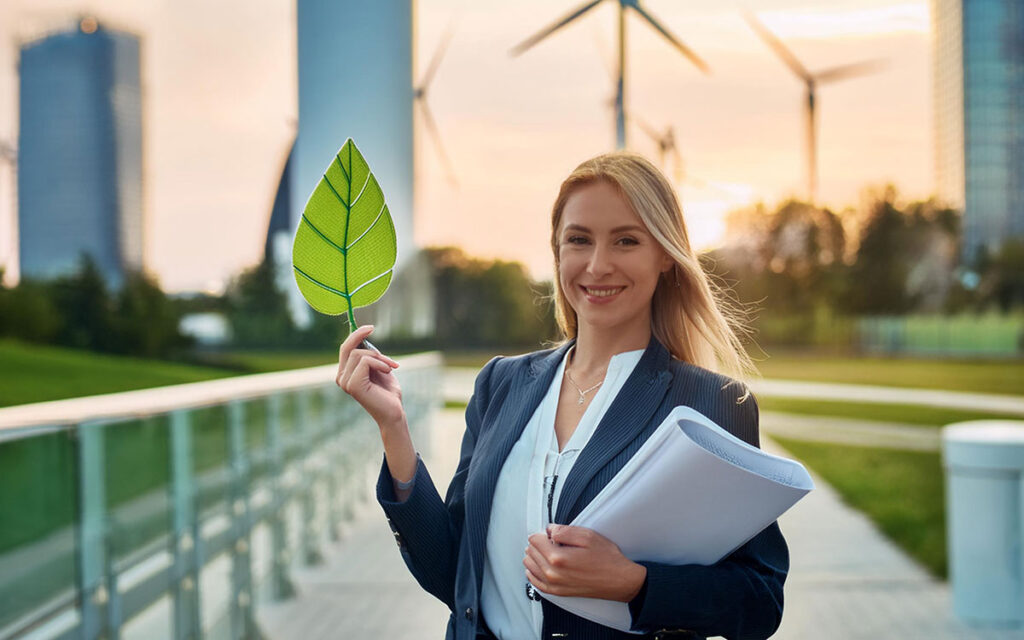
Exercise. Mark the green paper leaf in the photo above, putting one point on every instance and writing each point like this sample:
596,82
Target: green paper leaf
345,247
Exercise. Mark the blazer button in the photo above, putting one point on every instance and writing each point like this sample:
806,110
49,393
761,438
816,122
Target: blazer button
469,613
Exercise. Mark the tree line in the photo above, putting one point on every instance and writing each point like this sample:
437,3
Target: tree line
795,260
890,258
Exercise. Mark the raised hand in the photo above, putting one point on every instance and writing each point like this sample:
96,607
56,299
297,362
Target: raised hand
366,375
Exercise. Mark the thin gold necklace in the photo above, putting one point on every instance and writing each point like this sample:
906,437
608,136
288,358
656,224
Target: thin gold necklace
583,394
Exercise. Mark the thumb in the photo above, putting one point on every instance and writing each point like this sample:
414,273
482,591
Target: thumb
568,535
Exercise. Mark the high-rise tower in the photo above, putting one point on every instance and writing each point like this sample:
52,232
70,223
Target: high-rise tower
80,152
979,117
355,81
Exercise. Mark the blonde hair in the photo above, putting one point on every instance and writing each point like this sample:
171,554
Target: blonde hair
689,313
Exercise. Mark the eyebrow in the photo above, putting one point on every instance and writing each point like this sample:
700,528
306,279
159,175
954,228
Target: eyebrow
631,227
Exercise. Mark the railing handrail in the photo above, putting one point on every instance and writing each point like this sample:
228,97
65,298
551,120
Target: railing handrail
157,400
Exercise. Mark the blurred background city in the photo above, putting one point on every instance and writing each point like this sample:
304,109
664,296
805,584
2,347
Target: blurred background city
851,171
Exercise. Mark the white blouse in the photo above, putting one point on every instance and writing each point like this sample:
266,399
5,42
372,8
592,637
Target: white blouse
533,474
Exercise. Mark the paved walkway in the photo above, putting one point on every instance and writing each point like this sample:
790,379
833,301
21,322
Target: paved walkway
846,581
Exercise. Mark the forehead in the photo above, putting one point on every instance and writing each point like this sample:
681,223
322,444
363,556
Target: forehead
598,206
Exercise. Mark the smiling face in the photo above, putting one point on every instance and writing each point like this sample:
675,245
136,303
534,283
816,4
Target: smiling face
609,263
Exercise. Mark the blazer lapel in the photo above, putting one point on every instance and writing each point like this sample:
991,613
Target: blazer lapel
625,419
498,436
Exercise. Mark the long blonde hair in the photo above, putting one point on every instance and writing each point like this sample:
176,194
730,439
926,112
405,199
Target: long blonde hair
689,313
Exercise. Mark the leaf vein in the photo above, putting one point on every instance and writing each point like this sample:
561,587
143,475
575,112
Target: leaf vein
370,281
363,189
342,167
320,284
337,195
368,229
321,234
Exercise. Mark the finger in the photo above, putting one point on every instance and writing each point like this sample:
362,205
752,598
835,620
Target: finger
354,358
352,342
541,565
363,371
574,536
537,582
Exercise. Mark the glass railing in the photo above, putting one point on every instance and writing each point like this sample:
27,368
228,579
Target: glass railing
175,512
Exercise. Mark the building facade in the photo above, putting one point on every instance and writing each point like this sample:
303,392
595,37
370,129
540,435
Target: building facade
80,153
979,117
355,81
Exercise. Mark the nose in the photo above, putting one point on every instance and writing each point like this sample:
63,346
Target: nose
600,263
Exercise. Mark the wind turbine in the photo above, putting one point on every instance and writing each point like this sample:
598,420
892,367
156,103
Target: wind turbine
420,98
620,91
811,81
666,142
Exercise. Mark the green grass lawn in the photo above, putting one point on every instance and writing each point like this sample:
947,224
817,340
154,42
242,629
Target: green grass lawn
35,373
901,491
909,414
260,361
985,376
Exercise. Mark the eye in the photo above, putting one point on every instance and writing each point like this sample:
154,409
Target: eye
629,241
576,240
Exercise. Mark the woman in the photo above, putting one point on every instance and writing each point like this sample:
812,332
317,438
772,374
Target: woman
547,430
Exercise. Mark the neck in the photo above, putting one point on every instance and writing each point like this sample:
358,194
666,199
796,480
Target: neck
595,348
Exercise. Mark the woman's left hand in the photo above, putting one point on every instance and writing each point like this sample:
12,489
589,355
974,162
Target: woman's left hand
579,562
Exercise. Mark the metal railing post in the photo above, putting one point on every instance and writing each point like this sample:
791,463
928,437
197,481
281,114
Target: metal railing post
92,530
242,623
185,574
332,423
280,584
309,540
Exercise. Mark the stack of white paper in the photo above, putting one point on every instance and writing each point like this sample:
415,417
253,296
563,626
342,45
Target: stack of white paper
692,494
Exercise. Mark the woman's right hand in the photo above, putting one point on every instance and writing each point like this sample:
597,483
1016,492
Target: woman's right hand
366,376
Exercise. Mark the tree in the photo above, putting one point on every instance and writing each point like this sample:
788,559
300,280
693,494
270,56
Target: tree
487,303
258,310
83,303
145,321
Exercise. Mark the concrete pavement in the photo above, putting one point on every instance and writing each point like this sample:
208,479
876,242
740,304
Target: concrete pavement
846,582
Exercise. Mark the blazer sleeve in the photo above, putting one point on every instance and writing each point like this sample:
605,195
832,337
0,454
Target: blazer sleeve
429,531
739,597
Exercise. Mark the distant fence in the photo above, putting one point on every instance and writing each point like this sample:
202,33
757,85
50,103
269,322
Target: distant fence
174,512
987,335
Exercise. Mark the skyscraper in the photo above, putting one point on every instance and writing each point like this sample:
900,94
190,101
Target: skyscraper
80,152
979,117
355,81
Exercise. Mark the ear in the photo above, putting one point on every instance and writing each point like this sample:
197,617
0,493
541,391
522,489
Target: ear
667,262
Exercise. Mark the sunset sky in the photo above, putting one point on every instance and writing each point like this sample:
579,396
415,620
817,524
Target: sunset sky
219,100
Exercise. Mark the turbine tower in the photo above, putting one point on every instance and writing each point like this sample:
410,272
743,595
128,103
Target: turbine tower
811,81
620,90
420,97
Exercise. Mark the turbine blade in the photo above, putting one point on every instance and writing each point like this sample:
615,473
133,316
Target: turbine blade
540,35
850,70
776,45
683,49
428,119
435,62
647,128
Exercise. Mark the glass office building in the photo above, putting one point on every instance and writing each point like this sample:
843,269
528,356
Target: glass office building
80,153
979,117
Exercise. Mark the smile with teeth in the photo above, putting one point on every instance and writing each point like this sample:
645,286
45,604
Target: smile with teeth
602,293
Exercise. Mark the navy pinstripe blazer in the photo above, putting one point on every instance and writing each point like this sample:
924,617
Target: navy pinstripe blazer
443,542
